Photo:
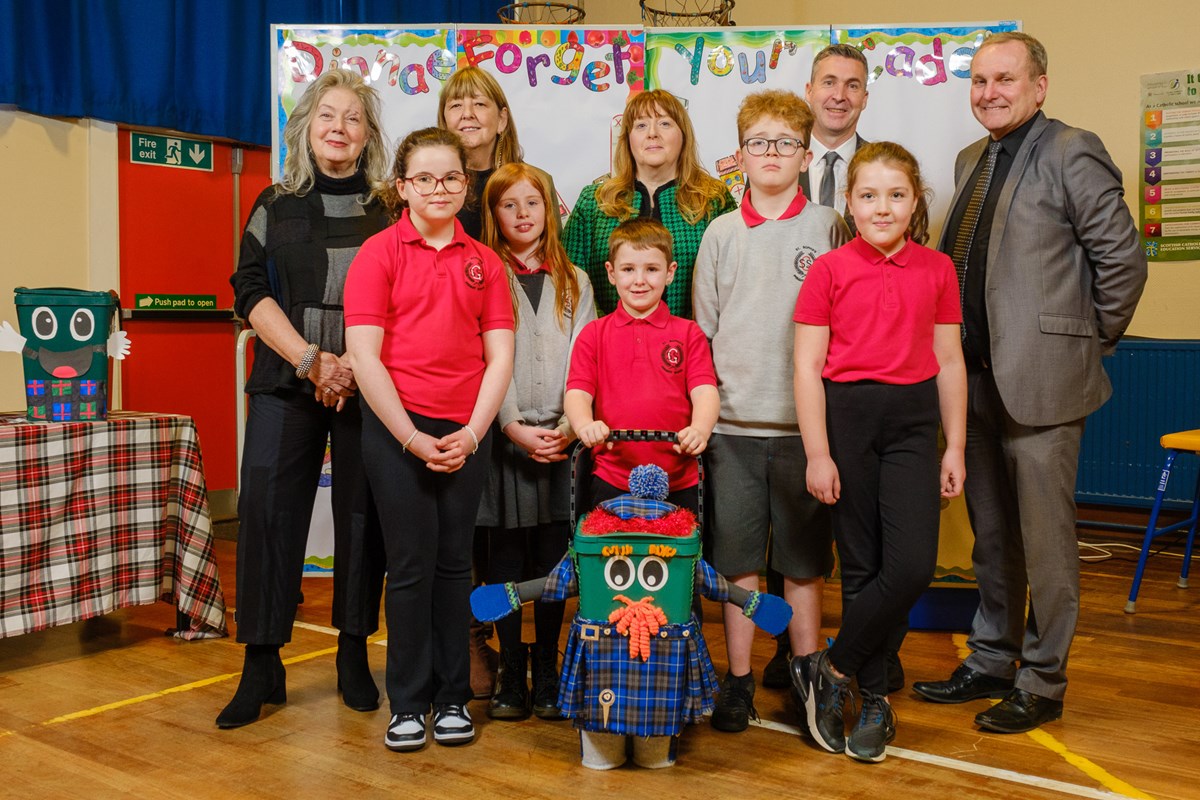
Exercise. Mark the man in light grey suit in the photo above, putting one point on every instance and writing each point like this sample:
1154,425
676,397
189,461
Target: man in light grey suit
1051,271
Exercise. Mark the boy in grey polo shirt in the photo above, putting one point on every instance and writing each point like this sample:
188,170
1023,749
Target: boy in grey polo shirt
748,273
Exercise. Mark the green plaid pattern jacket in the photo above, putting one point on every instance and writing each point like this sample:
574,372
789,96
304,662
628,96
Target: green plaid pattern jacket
586,240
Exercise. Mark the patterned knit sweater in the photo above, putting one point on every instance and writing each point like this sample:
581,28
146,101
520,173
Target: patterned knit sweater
297,250
586,239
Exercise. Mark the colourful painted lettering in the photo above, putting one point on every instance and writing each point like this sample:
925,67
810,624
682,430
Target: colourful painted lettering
572,66
594,71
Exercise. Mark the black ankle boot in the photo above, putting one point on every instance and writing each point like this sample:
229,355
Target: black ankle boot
510,699
544,665
358,688
263,681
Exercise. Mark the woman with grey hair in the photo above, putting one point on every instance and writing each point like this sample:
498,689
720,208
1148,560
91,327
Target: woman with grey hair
301,236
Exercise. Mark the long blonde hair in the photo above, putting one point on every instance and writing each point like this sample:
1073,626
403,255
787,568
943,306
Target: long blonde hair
299,170
550,248
696,192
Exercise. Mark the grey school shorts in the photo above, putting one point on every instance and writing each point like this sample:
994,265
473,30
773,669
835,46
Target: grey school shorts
757,497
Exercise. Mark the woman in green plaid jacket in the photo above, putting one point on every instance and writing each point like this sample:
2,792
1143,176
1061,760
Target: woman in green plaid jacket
656,173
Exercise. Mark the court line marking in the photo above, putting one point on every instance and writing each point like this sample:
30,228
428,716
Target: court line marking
1118,789
1048,741
1022,778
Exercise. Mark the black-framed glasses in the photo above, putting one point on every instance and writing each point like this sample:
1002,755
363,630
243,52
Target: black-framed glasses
426,184
786,146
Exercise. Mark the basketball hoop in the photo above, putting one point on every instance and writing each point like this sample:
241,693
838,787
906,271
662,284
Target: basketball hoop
688,13
541,14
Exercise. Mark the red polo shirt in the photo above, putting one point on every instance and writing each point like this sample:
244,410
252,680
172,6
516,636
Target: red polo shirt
433,306
753,219
880,310
640,374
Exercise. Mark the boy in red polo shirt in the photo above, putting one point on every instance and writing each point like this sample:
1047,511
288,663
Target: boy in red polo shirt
640,367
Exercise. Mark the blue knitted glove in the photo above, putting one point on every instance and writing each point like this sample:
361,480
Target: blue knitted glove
767,611
494,601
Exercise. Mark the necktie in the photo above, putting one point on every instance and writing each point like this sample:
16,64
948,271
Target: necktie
829,179
970,220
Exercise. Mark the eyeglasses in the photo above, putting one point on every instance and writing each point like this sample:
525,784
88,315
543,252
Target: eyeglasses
426,184
784,147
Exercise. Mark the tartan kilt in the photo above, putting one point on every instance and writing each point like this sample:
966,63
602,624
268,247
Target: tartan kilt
676,685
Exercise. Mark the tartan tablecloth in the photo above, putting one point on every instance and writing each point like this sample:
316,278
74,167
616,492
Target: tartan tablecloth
96,516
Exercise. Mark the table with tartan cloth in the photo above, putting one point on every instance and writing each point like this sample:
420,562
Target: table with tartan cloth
96,516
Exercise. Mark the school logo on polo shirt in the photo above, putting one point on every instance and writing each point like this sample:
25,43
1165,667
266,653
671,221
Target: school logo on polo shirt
473,272
805,256
672,356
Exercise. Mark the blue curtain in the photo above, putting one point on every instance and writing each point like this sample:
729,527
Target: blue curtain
198,66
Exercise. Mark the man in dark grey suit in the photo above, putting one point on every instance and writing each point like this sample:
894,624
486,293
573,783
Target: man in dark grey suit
837,94
1051,271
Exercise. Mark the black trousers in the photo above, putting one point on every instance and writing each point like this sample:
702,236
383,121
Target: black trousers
542,547
281,466
883,439
428,521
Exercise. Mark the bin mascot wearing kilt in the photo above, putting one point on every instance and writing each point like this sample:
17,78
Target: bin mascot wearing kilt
636,665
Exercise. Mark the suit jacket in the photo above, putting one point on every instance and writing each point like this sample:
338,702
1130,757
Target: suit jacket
1065,271
804,185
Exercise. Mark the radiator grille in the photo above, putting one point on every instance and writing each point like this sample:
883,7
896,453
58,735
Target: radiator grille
1156,390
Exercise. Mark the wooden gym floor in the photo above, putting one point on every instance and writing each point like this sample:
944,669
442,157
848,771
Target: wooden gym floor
110,707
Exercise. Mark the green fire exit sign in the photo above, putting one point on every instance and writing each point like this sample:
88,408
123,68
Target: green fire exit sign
170,151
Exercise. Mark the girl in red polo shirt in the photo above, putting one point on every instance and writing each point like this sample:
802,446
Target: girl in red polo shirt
527,499
878,363
429,329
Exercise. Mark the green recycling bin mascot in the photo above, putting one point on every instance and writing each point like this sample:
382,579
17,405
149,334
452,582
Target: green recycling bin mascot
636,664
66,343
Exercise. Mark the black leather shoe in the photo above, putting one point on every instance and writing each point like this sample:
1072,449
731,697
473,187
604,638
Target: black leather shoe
965,684
1019,712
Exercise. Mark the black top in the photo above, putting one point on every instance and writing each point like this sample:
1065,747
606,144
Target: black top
977,344
297,250
651,208
471,214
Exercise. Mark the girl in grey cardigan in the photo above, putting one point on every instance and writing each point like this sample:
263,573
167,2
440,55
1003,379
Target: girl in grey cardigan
526,500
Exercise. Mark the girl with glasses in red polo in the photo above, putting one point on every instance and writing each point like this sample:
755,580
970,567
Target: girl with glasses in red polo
429,326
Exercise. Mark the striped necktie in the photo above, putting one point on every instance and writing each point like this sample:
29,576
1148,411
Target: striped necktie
970,220
829,180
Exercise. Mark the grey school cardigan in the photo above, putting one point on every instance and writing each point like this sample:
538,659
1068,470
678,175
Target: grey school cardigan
535,394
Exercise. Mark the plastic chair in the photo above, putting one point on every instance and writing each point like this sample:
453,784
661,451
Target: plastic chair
1174,443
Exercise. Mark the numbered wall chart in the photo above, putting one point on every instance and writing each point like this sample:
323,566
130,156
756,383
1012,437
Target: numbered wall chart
1170,181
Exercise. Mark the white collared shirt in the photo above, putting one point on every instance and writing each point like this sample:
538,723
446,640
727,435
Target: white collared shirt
816,170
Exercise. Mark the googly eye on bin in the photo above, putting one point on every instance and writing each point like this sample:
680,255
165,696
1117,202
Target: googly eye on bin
619,573
653,573
83,325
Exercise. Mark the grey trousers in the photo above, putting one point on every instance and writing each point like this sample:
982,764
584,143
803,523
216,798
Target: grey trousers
1020,492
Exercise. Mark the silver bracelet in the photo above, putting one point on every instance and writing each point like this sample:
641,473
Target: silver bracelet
474,438
404,445
306,363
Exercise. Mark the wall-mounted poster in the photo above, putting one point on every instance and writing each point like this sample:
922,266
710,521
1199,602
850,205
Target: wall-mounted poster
406,67
712,69
1170,179
919,82
567,88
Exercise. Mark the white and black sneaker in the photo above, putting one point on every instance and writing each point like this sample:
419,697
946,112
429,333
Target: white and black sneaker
405,732
452,724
